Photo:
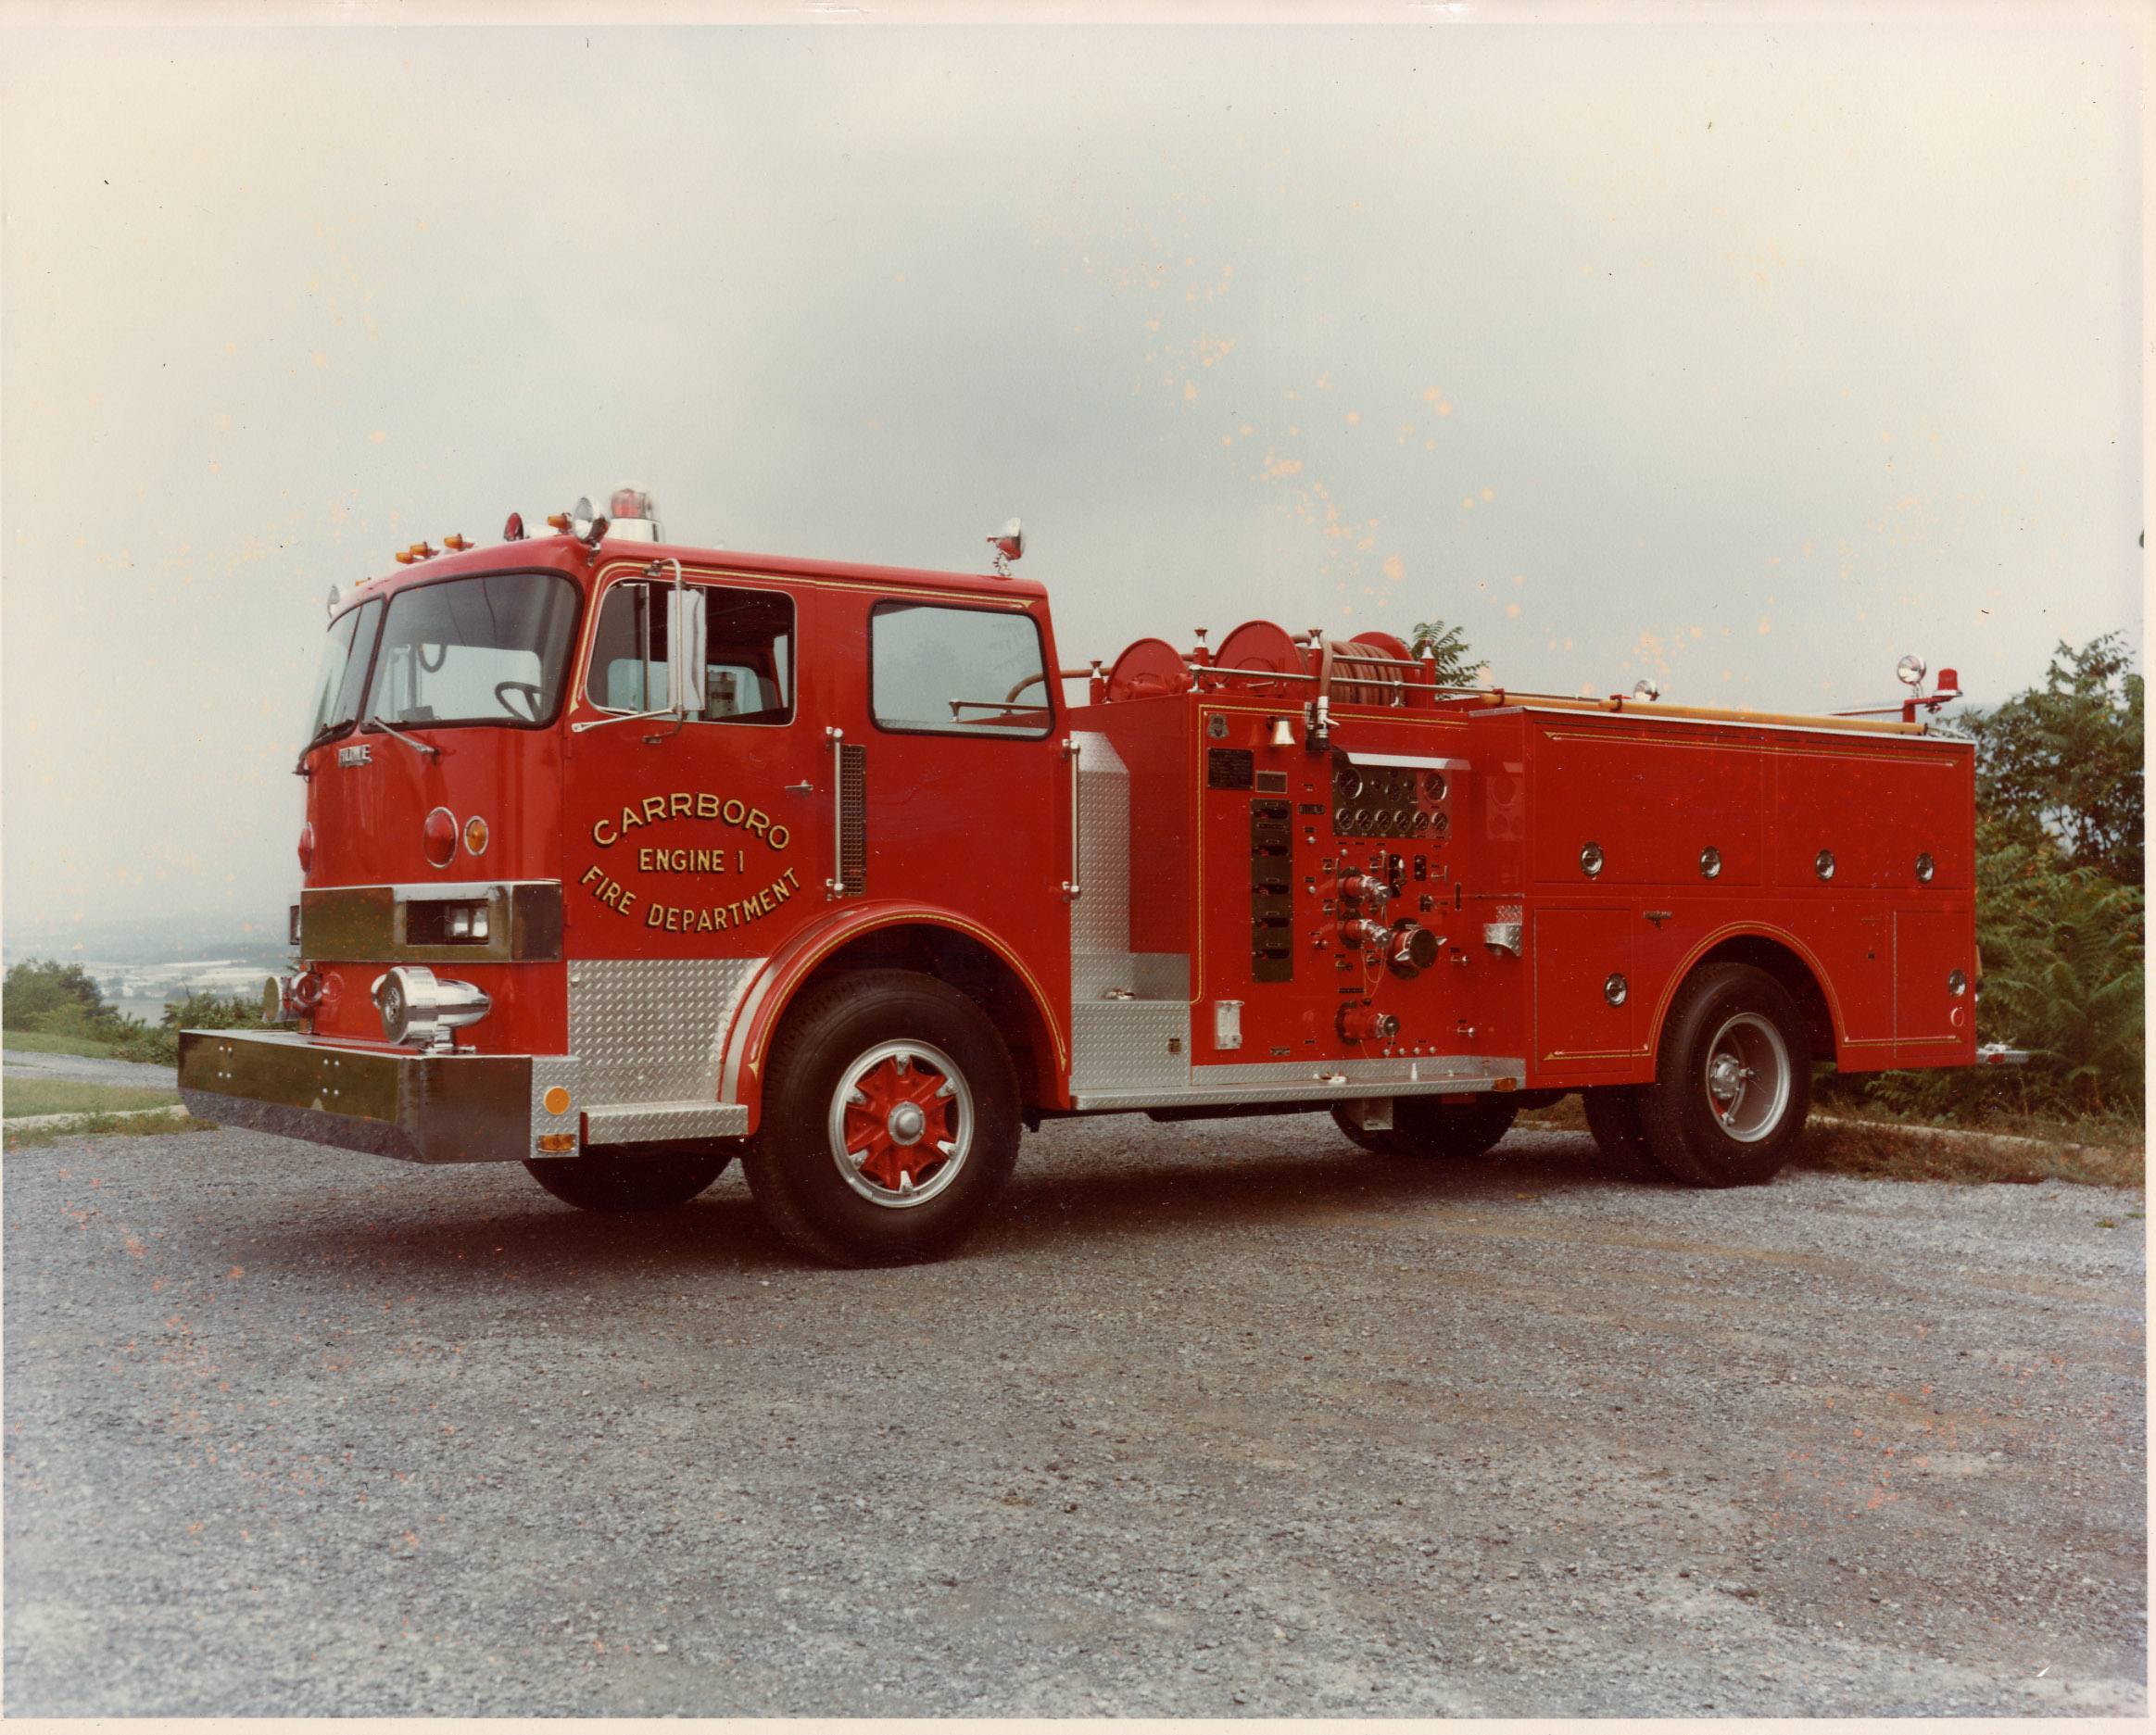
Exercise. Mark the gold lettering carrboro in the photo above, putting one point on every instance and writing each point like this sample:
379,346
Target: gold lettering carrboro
705,857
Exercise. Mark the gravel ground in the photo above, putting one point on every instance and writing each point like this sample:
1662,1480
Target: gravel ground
86,1069
1214,1419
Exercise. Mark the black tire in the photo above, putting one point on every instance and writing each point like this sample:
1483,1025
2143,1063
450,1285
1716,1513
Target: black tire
1733,1081
1447,1128
1378,1144
630,1178
1613,1116
882,1035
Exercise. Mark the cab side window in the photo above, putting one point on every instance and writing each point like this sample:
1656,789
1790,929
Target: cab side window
745,673
944,670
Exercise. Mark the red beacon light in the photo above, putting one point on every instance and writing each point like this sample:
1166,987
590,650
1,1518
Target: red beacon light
631,517
1009,544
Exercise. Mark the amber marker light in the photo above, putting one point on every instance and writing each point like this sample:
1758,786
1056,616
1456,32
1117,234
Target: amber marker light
557,1099
475,835
455,542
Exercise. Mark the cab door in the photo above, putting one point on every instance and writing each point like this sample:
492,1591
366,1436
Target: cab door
693,831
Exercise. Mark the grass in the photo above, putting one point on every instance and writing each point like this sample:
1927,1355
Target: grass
44,1042
37,1137
1857,1138
68,1096
1889,1150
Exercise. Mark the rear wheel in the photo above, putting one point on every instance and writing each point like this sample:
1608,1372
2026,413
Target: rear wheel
890,1121
1613,1116
1733,1082
630,1178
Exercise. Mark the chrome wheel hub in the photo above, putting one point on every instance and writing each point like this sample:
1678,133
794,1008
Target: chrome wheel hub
1748,1077
901,1123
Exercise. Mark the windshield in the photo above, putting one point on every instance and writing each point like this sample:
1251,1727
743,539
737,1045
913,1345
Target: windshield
344,669
491,649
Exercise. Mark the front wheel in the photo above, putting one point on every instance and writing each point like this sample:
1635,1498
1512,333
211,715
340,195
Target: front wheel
891,1120
1732,1083
1447,1128
629,1177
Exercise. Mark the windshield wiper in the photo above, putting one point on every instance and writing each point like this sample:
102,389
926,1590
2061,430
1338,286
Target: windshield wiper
376,726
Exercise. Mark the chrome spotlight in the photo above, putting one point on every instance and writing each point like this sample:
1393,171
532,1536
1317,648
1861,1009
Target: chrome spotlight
417,1007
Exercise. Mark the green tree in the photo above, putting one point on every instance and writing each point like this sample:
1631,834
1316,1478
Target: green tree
44,994
1449,646
2063,761
2061,906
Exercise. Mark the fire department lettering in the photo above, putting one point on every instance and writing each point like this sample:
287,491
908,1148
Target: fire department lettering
713,919
656,810
718,918
682,861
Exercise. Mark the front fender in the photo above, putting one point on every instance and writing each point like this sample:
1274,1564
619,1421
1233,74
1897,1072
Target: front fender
748,1044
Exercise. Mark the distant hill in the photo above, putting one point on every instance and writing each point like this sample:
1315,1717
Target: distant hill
154,940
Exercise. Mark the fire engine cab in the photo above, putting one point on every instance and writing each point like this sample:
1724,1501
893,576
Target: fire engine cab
623,858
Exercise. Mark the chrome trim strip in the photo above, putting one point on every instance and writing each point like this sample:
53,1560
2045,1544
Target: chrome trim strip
1296,1081
643,1122
1409,760
1654,714
366,923
737,1037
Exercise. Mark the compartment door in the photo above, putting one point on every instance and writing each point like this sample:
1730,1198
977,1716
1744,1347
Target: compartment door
1931,1022
1577,1031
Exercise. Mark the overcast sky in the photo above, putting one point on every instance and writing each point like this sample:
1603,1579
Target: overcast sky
1747,355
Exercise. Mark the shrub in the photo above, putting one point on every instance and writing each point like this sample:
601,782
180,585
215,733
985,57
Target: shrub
197,1012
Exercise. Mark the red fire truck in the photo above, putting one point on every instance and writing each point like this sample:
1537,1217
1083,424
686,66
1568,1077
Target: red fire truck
624,859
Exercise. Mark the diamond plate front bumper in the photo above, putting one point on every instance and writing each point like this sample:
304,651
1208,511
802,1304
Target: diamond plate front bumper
389,1102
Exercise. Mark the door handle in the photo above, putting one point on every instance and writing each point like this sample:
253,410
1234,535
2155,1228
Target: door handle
1072,890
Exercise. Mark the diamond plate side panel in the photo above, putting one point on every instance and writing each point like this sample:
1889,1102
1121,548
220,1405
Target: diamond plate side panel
1123,1045
643,1122
649,1030
1099,916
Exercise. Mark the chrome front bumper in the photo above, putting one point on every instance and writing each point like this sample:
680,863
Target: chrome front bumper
421,1107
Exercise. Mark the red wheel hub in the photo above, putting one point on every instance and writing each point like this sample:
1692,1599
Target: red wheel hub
898,1117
